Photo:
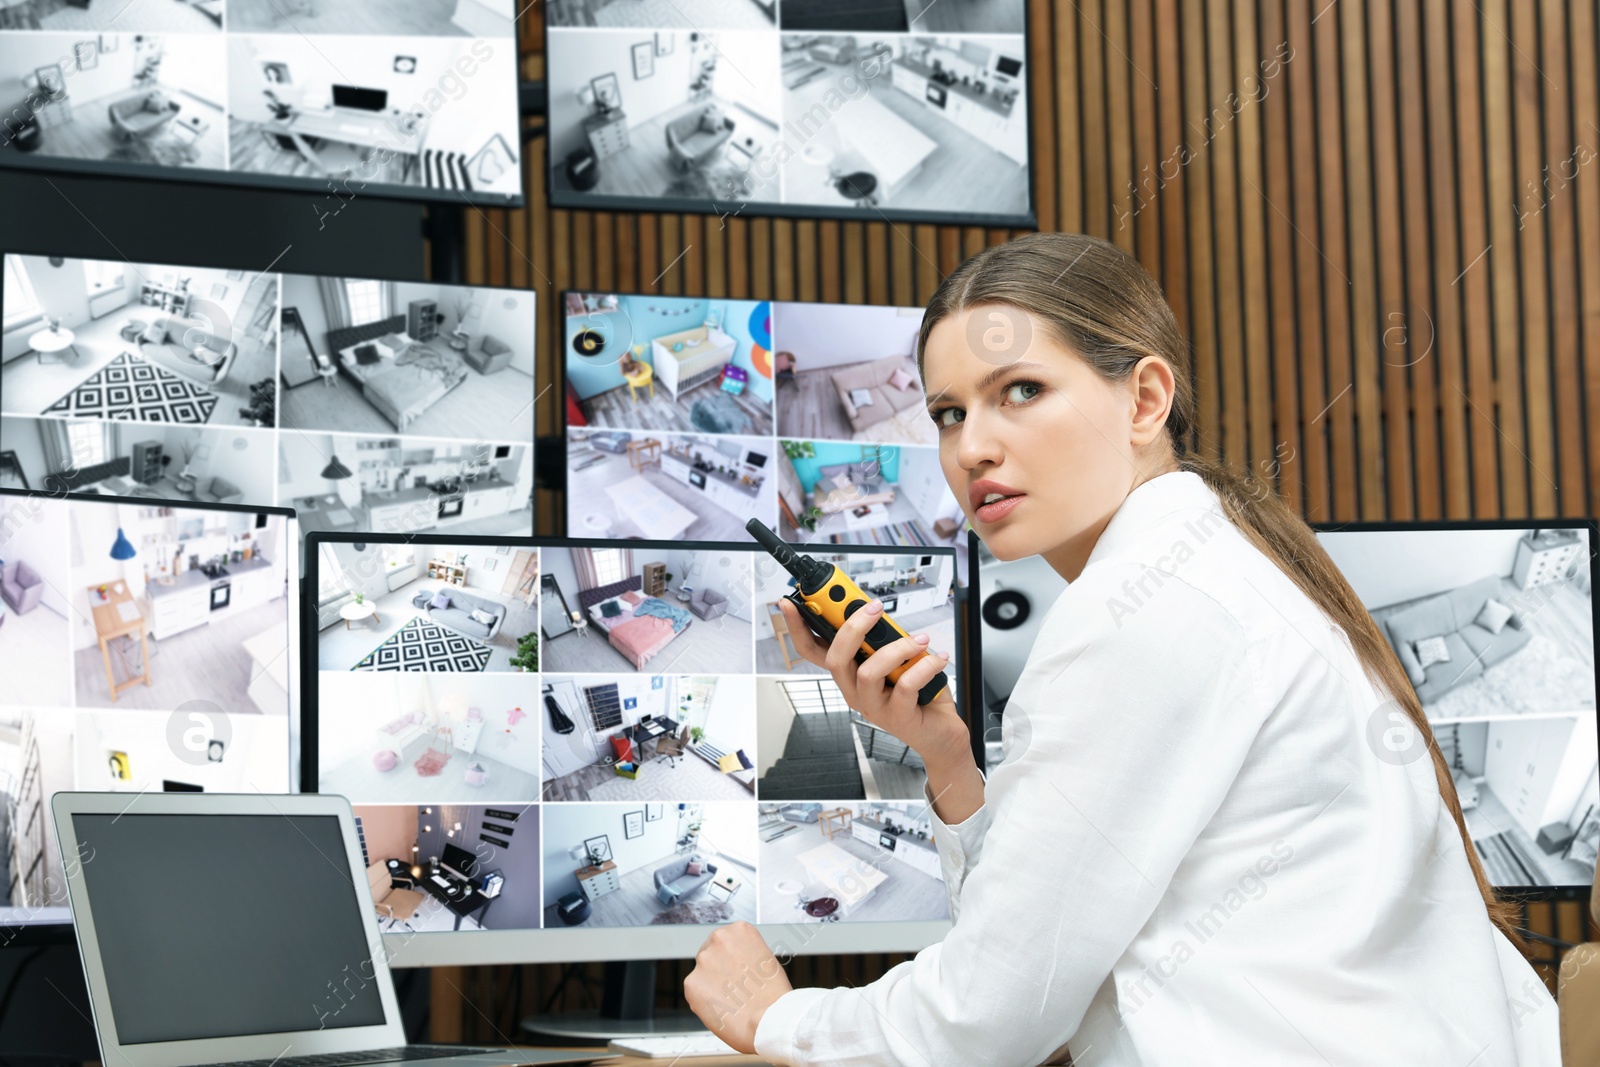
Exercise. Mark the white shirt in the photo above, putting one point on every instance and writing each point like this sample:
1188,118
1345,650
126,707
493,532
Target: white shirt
1192,852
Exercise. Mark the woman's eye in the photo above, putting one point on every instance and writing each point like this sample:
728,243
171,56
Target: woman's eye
1022,391
948,417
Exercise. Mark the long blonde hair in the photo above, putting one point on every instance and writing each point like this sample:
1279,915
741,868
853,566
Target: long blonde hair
1103,306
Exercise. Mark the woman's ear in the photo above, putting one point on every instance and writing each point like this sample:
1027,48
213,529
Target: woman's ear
1151,392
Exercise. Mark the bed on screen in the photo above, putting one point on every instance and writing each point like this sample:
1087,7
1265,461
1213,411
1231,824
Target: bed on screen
637,626
400,378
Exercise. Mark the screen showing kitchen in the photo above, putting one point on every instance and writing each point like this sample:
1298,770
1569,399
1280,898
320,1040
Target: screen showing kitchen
898,109
670,755
363,404
413,98
144,647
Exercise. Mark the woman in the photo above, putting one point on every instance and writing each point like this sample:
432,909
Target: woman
1221,833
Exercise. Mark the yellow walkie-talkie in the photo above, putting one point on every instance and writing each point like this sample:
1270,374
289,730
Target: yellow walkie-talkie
826,597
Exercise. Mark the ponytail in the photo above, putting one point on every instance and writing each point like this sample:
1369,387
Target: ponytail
1102,305
1283,537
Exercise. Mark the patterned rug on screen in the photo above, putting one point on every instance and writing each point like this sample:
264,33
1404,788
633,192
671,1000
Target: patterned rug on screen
130,389
420,645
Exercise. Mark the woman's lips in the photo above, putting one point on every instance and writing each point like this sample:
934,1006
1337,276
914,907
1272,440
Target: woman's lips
1000,508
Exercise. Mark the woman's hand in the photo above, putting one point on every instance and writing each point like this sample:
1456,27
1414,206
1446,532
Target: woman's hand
935,730
736,978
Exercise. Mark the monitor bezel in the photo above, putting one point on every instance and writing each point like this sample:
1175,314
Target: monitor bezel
61,932
541,945
1514,894
641,206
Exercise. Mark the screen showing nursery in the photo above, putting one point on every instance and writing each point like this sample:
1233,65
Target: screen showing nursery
687,416
562,733
144,647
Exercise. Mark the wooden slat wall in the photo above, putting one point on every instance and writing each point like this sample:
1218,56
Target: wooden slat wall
1378,222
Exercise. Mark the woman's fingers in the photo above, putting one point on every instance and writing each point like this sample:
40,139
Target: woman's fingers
852,634
805,642
876,670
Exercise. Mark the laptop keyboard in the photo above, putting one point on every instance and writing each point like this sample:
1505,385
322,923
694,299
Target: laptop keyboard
377,1055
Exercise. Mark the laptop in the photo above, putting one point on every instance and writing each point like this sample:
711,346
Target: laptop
237,929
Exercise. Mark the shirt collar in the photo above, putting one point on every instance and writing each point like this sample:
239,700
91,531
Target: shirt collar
1149,503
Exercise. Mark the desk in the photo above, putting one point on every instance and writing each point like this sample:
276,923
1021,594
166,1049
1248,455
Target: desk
467,899
363,129
111,621
640,737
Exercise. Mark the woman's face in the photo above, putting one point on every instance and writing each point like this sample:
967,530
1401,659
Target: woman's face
1036,423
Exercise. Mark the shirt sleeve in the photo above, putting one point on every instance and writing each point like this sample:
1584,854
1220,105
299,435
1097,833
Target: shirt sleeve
959,847
1125,732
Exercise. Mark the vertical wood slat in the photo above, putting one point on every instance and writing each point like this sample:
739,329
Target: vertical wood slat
1585,37
1501,260
1473,280
1362,263
1253,343
1558,218
1275,196
1396,348
1340,412
1527,88
1416,320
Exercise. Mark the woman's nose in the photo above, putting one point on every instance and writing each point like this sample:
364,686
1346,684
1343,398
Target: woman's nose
977,443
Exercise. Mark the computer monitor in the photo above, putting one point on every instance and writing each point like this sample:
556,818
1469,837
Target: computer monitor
363,403
148,646
692,415
519,741
170,91
1494,623
459,860
353,96
910,112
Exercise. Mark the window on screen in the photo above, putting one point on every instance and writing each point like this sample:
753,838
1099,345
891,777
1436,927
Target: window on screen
608,565
21,303
330,576
101,275
87,441
366,301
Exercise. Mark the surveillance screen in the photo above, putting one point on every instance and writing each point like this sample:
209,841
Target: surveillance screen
690,416
678,762
1495,630
401,98
145,647
901,110
404,407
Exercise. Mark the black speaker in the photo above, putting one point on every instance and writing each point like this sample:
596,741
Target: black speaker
1006,610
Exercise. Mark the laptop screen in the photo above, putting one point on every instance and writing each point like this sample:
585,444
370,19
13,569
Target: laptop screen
254,919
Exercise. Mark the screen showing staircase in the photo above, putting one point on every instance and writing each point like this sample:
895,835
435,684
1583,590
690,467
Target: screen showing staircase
674,760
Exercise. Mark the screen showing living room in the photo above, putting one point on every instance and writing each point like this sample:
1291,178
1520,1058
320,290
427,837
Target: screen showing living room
364,404
614,735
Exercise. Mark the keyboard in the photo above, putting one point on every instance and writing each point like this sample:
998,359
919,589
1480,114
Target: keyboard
377,1055
671,1046
441,881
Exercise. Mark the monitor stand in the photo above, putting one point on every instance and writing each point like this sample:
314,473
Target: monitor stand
627,1009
